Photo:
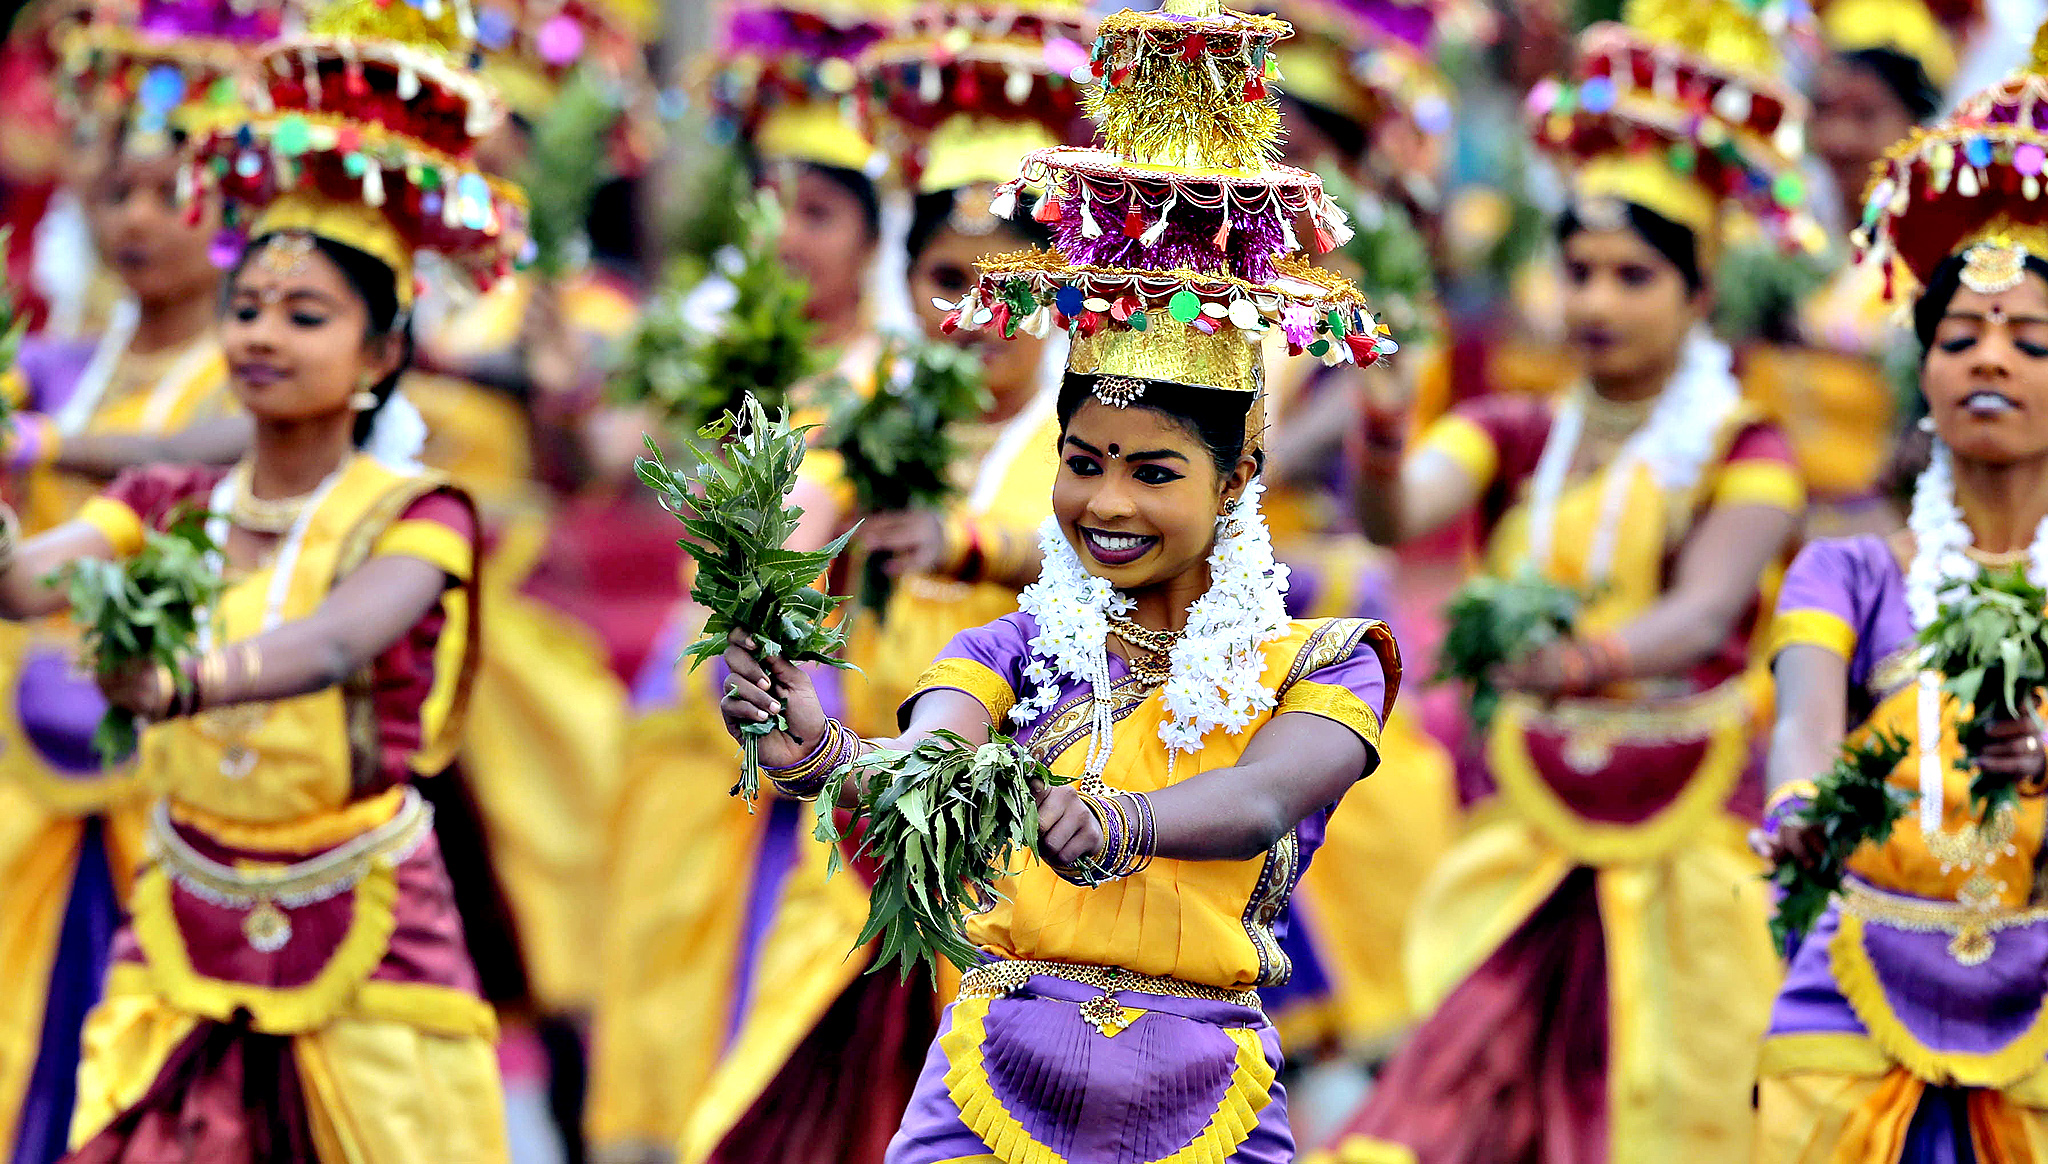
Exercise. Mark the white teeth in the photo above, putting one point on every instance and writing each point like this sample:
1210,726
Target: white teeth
1115,543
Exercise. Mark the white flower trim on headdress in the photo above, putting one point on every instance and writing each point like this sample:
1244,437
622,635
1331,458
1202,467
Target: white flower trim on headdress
1941,566
1216,677
1680,437
398,434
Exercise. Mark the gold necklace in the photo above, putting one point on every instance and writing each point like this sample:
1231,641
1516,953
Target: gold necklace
1613,420
1154,663
265,515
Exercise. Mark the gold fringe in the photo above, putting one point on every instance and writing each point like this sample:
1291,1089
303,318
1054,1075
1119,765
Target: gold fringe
272,1010
1171,114
1857,977
1251,1089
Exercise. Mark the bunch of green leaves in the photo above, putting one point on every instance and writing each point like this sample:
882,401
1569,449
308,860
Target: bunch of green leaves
943,821
710,212
13,322
897,441
1491,621
736,525
144,611
1854,802
693,371
567,164
1759,286
1394,266
1989,639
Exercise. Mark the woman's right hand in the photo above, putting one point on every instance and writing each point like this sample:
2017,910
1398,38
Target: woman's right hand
757,690
1790,844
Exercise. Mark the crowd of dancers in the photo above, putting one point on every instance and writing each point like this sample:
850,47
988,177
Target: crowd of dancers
1728,318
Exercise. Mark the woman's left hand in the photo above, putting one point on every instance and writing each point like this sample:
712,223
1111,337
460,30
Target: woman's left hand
1543,672
145,689
915,540
2014,752
1067,831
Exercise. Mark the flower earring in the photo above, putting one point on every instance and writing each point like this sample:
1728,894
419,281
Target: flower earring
364,399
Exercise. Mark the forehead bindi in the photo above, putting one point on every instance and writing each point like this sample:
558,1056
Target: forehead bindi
2027,302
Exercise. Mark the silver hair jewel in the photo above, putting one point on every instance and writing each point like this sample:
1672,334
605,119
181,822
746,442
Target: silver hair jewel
1118,391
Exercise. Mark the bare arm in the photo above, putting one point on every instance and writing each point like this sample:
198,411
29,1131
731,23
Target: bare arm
24,590
1715,582
1812,718
104,455
1401,498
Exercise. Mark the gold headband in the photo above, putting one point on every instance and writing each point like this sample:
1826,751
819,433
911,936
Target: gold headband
1995,259
365,228
1650,182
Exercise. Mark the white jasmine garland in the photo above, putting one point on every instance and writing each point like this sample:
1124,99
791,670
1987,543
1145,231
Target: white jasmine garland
1216,672
1675,444
1942,565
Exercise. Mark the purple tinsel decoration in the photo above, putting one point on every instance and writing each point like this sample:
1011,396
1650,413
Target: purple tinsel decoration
1410,22
1189,240
208,18
775,32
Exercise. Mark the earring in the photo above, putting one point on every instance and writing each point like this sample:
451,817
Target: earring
1926,424
364,400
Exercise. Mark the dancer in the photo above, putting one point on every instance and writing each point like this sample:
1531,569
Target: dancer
1909,1027
1153,659
152,387
293,981
1594,949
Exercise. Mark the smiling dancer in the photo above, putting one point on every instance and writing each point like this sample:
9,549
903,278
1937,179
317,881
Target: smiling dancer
153,386
1153,659
1911,1027
292,982
1594,947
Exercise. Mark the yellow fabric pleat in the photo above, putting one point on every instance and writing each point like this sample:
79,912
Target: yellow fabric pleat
543,753
1818,1118
983,1112
386,1093
1481,892
1857,977
40,854
272,1010
665,977
127,1040
1690,978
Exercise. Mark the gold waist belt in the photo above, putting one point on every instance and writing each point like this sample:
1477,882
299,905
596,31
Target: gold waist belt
265,889
1969,924
995,979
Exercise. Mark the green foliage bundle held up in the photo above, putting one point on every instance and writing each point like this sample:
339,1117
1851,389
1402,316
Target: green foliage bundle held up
736,524
897,440
1990,640
567,165
144,611
1491,621
944,820
692,371
1854,802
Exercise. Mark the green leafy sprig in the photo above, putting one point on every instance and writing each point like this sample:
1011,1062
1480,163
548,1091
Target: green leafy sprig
1854,801
1491,621
1395,270
1989,638
944,821
736,525
897,441
146,610
693,370
567,165
13,322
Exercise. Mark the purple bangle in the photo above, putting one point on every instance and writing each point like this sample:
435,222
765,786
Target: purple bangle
30,433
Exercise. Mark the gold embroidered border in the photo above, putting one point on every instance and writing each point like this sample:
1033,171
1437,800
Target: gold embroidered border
1814,628
1856,975
1250,1090
970,678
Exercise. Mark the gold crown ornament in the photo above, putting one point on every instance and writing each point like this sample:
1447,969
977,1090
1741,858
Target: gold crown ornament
1970,185
1906,27
363,131
960,89
1681,110
1177,238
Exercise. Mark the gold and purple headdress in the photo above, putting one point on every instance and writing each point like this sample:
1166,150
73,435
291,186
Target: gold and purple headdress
363,131
1681,110
1970,185
162,65
785,82
1177,239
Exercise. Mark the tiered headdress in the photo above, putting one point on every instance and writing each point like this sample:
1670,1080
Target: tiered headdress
1970,185
1906,27
958,91
785,80
363,133
1681,110
1176,240
162,65
1370,59
531,46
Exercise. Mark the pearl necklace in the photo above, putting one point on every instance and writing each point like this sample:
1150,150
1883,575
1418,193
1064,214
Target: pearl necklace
1943,562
